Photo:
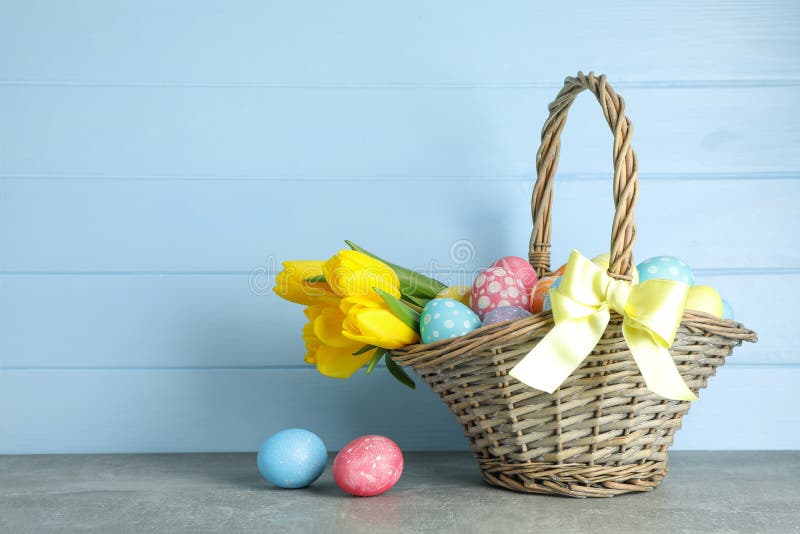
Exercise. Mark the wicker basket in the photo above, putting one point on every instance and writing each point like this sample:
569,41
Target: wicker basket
602,433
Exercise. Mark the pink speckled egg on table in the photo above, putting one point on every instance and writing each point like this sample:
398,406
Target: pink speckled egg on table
368,466
494,288
518,268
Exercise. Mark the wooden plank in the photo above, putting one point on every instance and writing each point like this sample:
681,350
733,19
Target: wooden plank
138,411
136,321
145,321
725,418
414,42
242,226
374,133
183,411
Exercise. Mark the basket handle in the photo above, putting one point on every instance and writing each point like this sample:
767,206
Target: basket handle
626,175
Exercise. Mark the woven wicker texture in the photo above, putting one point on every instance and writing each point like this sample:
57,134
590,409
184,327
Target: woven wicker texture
602,432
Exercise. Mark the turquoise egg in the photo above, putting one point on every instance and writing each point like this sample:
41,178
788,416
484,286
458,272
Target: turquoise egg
444,319
665,268
546,305
292,458
727,311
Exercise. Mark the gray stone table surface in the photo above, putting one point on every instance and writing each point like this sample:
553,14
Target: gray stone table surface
439,492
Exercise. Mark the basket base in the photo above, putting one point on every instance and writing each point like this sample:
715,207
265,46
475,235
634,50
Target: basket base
573,480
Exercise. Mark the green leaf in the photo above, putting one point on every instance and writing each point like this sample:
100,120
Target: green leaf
365,348
379,352
403,311
318,278
413,306
416,301
412,282
398,372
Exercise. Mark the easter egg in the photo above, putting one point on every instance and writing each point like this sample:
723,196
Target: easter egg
368,466
727,311
704,299
495,287
540,292
459,293
505,313
546,304
604,260
292,458
443,318
518,268
559,271
665,268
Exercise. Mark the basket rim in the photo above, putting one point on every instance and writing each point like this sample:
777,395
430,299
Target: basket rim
518,327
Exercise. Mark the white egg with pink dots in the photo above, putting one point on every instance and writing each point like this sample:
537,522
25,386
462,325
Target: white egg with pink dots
496,287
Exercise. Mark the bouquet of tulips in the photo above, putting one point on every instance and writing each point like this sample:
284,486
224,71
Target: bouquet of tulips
358,307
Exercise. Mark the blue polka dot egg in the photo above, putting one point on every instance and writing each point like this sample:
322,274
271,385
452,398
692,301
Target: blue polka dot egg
444,319
292,458
665,268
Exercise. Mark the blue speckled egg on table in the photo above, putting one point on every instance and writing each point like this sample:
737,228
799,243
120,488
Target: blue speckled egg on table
443,318
665,268
292,458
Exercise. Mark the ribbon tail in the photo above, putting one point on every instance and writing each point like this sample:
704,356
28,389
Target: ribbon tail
655,362
561,351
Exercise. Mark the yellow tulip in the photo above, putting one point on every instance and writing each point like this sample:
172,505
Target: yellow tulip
327,320
371,322
337,362
354,274
312,343
344,312
326,347
291,283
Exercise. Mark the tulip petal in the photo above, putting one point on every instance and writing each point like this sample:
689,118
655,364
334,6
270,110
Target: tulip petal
328,327
292,283
351,273
379,327
311,342
339,362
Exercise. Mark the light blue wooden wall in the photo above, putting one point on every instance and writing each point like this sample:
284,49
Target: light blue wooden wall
158,158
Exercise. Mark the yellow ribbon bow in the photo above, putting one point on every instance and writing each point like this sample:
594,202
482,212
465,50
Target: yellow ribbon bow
582,305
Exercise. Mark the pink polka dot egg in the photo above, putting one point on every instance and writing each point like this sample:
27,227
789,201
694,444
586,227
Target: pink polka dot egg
518,268
496,287
367,466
